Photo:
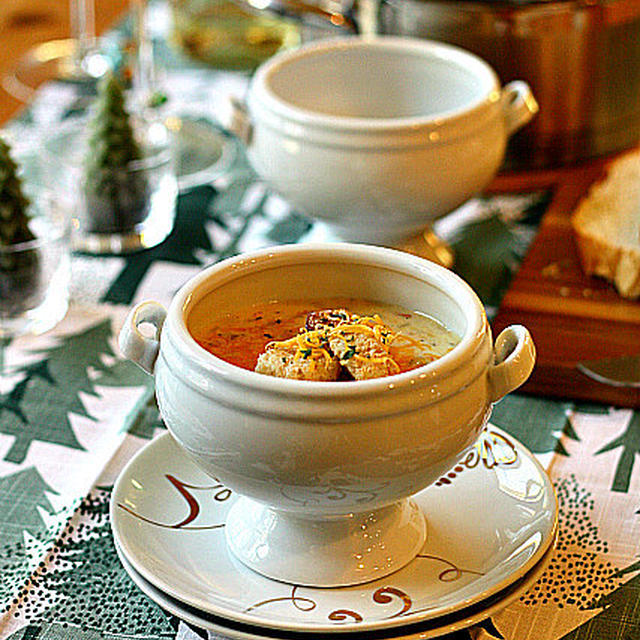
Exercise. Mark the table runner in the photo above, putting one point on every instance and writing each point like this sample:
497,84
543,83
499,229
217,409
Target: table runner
72,413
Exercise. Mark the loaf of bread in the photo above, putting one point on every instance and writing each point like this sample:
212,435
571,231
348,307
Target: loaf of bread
607,226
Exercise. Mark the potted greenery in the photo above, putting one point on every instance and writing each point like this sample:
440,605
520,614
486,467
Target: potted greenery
116,181
20,261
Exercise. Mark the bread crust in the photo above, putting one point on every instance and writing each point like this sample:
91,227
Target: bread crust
606,226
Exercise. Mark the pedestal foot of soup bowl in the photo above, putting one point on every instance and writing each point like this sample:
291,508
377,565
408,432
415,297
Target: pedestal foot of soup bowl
330,552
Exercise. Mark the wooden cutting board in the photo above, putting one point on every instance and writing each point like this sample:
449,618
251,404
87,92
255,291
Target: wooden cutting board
572,317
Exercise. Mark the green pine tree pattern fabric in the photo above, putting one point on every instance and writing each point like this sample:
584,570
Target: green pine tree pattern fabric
629,445
72,400
536,422
111,606
624,600
187,238
38,407
24,497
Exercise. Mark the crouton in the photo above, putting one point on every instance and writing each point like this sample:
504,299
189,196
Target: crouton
362,355
286,362
333,345
362,351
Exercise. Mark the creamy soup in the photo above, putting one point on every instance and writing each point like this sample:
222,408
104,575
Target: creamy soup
411,339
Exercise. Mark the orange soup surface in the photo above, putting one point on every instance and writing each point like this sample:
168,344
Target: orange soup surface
240,337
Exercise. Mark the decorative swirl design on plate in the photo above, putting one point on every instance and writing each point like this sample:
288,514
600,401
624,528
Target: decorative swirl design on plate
383,595
299,602
342,615
492,449
452,572
185,489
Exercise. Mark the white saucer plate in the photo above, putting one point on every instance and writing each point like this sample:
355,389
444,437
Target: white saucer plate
420,631
490,521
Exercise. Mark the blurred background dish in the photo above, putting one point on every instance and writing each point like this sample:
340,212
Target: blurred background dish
77,60
54,59
227,35
202,150
378,138
582,60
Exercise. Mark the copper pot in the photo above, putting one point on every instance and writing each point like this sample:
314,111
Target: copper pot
580,57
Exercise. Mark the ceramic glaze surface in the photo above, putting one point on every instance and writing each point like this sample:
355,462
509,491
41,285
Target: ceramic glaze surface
377,155
429,629
320,451
491,521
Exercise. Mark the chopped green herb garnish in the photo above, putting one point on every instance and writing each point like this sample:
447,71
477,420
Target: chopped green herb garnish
348,354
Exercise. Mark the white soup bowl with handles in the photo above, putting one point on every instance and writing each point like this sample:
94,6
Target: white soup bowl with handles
378,137
325,471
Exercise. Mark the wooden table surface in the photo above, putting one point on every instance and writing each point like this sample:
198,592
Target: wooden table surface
25,23
573,317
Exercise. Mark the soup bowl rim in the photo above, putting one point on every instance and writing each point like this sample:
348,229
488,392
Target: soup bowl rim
179,340
262,96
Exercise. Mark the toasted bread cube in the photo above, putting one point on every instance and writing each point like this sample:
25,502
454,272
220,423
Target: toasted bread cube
373,359
282,363
362,355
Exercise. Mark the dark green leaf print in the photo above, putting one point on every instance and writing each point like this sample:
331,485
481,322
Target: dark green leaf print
109,606
144,417
290,229
536,422
38,407
487,254
146,421
629,443
624,601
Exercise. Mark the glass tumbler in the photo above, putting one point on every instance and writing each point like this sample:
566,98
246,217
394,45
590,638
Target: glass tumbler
35,275
134,208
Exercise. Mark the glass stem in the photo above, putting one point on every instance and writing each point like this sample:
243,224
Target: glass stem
144,76
83,28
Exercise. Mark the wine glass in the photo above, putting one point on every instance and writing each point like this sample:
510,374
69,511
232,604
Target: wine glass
76,60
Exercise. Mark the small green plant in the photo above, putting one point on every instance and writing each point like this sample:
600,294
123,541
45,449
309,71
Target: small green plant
115,182
19,263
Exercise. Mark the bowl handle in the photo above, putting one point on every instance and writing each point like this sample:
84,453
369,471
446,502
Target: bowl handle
236,120
514,357
518,105
137,347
